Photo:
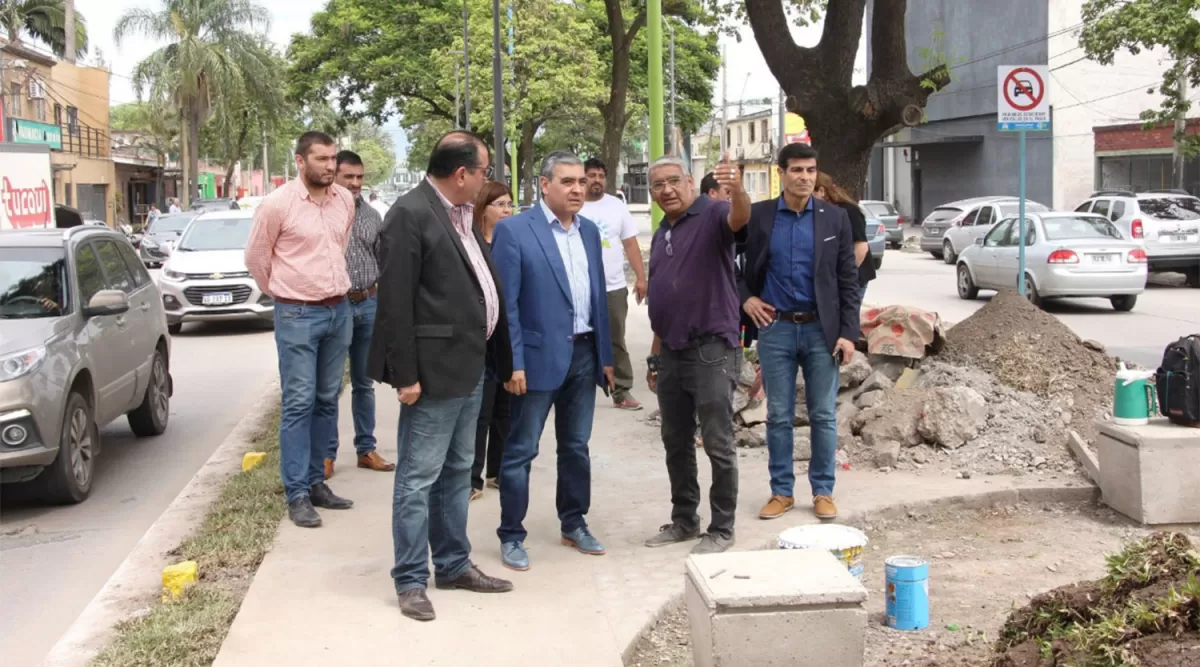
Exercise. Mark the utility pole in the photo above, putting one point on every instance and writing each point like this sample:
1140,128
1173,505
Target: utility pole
674,131
457,96
266,167
516,174
1177,163
781,135
466,70
724,100
497,93
654,30
69,30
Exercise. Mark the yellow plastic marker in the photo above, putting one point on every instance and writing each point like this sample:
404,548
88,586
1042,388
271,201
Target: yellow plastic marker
177,577
252,459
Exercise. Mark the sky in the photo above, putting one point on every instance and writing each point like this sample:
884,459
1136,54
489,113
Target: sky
292,16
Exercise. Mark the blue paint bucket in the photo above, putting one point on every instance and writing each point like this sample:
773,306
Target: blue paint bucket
907,592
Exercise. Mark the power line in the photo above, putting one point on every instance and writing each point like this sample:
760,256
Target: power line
1014,47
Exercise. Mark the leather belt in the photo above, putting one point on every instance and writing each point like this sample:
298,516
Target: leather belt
583,336
797,318
362,295
331,301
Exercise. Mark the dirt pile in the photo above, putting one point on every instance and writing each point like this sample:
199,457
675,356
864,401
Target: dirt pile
1145,612
1031,350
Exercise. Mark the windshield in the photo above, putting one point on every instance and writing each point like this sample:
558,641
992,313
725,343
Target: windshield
1172,208
217,234
943,214
1081,227
211,205
171,223
880,209
32,283
1011,208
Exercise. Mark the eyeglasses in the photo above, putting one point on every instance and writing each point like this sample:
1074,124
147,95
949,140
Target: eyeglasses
502,205
658,186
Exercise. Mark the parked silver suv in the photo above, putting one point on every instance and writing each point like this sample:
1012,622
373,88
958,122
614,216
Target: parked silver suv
1165,222
83,340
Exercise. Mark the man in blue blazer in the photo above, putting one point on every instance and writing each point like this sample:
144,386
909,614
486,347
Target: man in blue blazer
552,271
800,287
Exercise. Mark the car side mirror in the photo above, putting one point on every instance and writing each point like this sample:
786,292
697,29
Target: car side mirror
979,241
107,302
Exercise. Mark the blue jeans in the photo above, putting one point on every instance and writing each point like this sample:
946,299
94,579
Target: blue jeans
435,447
362,398
312,343
574,405
783,348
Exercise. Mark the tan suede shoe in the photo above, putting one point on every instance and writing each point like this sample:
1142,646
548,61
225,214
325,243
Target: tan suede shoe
776,507
824,508
374,461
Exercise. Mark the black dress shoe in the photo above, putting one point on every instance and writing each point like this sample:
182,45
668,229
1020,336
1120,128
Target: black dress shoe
476,581
323,496
415,605
301,512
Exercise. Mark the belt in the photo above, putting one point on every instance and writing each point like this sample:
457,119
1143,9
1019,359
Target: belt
699,341
797,318
362,295
583,336
331,301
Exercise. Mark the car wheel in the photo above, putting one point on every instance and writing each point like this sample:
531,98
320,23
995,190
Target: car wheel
967,289
174,329
1031,293
937,254
150,418
69,478
1193,278
1123,303
948,253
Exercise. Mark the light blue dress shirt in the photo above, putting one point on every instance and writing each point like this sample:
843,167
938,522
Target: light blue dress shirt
574,256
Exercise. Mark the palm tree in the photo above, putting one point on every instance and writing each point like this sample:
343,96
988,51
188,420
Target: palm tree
212,54
45,21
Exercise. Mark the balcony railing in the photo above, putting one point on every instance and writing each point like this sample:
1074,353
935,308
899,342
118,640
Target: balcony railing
84,140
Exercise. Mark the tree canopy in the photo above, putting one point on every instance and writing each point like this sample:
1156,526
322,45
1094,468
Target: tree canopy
44,21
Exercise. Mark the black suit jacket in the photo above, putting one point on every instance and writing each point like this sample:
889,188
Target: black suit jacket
835,276
431,322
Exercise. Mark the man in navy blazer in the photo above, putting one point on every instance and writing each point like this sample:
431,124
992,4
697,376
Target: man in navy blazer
800,287
552,271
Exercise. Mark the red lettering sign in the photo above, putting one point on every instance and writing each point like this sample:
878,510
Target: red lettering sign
26,207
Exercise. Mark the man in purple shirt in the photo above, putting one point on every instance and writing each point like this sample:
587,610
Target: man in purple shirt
696,356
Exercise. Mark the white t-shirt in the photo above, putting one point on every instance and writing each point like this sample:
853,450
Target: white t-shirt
616,225
381,207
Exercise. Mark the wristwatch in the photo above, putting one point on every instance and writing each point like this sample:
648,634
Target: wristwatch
652,363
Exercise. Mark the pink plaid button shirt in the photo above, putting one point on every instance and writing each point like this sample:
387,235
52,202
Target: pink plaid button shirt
460,219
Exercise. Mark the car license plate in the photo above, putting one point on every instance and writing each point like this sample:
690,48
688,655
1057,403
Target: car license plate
935,232
1104,259
219,299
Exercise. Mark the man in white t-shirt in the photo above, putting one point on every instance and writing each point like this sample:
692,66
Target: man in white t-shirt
618,235
379,206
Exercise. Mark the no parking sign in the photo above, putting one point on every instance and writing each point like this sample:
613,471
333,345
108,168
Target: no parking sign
1021,99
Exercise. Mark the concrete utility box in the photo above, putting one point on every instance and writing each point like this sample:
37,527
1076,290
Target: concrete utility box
794,608
1148,473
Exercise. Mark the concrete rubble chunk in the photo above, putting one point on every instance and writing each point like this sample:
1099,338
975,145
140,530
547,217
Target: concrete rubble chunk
887,454
895,417
876,381
854,373
752,437
891,367
755,413
746,376
868,399
801,447
846,413
741,399
953,416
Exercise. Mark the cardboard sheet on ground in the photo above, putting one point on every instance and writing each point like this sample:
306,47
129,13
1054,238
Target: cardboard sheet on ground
902,331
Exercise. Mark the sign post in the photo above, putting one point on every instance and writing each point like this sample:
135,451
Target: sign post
1021,106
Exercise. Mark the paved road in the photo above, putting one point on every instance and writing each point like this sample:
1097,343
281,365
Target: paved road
1162,314
55,559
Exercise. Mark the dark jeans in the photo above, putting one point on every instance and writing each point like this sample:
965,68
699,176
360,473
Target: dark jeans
490,432
432,489
362,400
618,310
699,381
574,405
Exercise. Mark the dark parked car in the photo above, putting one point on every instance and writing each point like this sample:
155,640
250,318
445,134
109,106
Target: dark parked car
165,230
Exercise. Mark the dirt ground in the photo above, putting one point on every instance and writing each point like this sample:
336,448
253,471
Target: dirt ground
983,564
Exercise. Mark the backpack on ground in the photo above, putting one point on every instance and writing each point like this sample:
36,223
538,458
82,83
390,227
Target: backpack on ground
1178,381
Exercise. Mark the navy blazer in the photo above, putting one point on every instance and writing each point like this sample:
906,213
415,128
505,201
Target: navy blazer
835,275
538,301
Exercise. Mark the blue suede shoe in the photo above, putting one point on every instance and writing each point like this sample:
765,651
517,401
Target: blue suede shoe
513,555
583,540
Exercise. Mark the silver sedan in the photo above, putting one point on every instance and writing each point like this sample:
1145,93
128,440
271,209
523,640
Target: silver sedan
1066,255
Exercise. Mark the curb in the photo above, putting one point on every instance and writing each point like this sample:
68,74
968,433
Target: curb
137,580
971,501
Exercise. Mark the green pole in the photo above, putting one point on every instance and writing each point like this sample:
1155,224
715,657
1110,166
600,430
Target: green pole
516,178
654,37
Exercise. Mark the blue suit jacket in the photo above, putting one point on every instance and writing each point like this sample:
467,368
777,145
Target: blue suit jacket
538,298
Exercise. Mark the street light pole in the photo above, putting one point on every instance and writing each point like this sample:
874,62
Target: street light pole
671,28
466,71
497,93
654,22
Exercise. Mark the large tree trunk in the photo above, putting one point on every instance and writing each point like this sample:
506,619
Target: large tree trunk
845,120
186,168
194,151
238,150
613,111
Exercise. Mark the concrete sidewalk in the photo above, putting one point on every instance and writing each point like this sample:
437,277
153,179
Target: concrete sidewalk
324,597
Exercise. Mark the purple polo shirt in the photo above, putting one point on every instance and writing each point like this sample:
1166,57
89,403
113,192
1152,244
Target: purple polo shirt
692,289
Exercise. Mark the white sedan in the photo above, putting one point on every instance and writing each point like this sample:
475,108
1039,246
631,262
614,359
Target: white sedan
1066,255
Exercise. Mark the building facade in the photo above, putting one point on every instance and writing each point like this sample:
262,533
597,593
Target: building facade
64,106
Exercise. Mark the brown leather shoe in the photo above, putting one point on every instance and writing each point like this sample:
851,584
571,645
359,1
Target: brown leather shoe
824,508
328,468
374,461
416,605
476,581
776,507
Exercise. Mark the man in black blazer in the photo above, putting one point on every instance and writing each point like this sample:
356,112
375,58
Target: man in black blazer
440,317
800,287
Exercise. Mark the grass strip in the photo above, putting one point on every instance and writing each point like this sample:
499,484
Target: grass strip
232,540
